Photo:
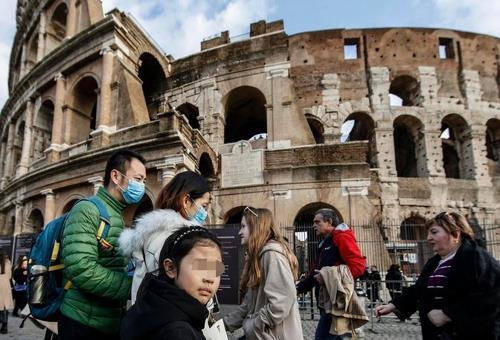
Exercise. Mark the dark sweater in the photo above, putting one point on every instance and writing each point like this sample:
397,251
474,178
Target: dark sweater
471,296
163,311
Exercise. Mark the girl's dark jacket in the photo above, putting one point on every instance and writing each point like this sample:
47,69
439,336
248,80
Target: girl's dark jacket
471,300
163,311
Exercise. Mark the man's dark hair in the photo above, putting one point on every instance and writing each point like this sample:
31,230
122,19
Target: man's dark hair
329,215
120,161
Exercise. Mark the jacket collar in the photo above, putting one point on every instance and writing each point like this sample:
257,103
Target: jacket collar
104,195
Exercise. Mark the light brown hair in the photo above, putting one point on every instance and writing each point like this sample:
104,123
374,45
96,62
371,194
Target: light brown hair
262,230
452,223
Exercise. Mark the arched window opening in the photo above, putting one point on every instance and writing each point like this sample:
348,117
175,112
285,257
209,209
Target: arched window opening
305,241
457,151
317,129
153,82
18,144
493,146
35,220
67,207
413,254
359,126
42,129
245,114
206,168
407,89
191,112
409,147
32,53
56,30
84,117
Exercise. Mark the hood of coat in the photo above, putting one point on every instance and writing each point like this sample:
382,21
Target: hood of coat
272,246
158,304
157,220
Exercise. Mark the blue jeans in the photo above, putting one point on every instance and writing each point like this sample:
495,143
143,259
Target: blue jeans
323,329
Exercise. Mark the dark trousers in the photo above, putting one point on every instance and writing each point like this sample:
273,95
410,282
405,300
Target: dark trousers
70,329
323,328
4,318
20,301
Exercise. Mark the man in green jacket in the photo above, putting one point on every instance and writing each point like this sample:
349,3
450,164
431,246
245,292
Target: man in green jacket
93,306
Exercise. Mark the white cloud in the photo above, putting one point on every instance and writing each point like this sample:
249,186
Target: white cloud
7,31
180,25
470,15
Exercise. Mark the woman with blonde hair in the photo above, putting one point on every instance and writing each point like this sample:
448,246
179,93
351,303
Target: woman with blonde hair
458,292
269,309
6,302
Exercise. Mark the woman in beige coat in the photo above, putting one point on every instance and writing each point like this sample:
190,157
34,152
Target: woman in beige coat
6,302
269,310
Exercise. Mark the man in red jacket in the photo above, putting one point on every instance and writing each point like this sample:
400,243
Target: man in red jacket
337,247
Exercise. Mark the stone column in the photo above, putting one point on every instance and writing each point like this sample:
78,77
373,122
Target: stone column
9,164
104,120
97,182
173,164
71,19
429,85
50,205
379,84
22,72
472,87
26,150
57,139
40,53
3,152
18,227
3,223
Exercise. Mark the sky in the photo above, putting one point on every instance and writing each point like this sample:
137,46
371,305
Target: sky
178,26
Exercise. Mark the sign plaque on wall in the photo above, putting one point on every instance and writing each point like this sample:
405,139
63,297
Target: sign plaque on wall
242,166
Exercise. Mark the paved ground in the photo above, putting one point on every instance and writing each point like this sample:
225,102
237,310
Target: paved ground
388,329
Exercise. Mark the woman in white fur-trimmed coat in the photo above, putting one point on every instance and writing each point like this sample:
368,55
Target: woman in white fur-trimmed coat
182,202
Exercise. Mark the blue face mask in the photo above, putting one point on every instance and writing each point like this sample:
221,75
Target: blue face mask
200,215
134,191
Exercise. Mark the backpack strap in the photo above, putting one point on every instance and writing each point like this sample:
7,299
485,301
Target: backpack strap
104,225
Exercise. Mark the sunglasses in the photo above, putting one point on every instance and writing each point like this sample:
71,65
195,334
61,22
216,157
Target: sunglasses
251,211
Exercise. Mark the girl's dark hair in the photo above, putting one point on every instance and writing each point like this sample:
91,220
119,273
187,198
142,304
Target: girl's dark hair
180,243
184,183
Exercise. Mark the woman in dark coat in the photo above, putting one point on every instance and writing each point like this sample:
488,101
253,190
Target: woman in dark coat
20,275
393,280
458,292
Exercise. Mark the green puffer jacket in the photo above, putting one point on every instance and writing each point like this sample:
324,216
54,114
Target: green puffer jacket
100,285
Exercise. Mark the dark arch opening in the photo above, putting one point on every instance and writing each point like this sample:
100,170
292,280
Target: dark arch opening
407,88
153,82
245,114
317,129
42,129
363,128
407,139
191,112
67,207
454,146
206,167
57,26
35,220
493,146
85,107
417,252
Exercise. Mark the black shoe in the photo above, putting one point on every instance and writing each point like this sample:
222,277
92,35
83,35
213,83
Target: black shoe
3,330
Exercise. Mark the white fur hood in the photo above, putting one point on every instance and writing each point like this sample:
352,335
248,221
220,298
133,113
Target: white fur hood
157,220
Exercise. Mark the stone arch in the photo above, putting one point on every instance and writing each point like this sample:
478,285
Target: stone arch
457,147
31,55
305,240
82,110
191,112
42,128
409,147
206,167
35,220
493,139
417,251
317,128
57,26
245,112
363,128
407,89
70,202
17,147
153,80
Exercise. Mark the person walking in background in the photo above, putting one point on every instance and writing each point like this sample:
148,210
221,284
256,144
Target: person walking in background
374,279
6,302
337,247
269,309
182,202
172,304
393,281
20,275
93,306
458,292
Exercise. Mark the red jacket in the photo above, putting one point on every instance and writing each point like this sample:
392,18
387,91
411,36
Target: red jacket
345,241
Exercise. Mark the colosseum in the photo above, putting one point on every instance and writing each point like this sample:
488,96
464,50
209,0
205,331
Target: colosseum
387,126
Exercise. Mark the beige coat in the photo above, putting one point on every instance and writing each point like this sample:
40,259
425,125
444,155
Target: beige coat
270,311
5,289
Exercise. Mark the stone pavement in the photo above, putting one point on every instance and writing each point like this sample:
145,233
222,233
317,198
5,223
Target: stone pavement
388,329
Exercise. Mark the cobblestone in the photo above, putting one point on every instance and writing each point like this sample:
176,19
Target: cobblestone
389,328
